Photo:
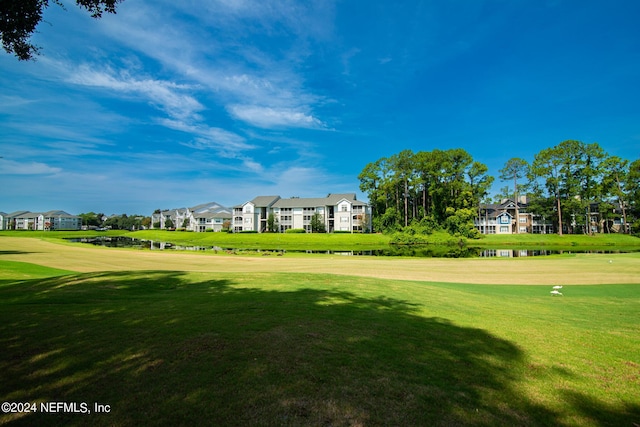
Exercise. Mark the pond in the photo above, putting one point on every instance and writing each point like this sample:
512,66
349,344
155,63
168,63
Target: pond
422,251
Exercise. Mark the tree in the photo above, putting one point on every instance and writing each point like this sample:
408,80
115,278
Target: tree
613,183
547,164
632,187
19,19
272,223
91,219
480,183
408,187
403,167
317,224
514,169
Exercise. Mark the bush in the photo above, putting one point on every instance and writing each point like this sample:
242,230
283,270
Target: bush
295,230
402,238
459,222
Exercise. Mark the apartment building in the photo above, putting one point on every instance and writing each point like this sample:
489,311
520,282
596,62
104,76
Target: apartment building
208,216
42,221
500,218
338,212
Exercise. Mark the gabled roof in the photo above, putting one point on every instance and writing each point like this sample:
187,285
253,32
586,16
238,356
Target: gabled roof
265,201
330,200
17,214
226,214
337,197
58,214
298,202
261,202
24,214
207,207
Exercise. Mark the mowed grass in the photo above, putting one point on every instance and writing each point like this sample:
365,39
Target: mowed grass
281,348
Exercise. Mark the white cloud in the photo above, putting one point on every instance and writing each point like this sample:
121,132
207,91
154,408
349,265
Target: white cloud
164,94
209,137
267,117
11,167
216,56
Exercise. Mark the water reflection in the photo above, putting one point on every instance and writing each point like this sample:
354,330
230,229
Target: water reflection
422,251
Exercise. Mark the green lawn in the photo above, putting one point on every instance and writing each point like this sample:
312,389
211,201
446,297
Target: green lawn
340,241
566,240
178,348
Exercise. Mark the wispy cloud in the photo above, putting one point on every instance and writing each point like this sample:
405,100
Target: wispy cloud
267,117
208,137
257,85
11,167
166,95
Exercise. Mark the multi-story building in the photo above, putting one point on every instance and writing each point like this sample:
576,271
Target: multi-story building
42,221
207,216
500,218
338,212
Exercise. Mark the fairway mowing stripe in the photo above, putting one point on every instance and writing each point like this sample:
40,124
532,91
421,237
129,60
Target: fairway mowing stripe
522,271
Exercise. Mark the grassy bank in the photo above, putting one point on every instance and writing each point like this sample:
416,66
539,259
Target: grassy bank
190,348
556,240
339,241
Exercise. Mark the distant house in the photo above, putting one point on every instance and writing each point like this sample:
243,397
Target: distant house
204,217
42,221
338,212
3,221
500,218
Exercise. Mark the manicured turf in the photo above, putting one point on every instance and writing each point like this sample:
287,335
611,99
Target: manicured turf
266,348
346,241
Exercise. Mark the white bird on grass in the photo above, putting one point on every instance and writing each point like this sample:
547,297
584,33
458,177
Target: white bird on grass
557,287
556,293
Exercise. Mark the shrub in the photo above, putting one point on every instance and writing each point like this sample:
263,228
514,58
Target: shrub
295,230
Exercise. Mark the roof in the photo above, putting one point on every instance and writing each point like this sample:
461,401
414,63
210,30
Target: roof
330,200
261,201
17,214
58,214
226,214
207,207
265,201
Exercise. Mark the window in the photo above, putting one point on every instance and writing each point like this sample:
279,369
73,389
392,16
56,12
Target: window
344,208
523,219
504,229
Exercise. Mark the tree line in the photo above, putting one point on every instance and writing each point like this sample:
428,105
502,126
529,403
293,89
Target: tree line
447,189
116,222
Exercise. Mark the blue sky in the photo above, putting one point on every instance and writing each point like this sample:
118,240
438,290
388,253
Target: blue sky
176,103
